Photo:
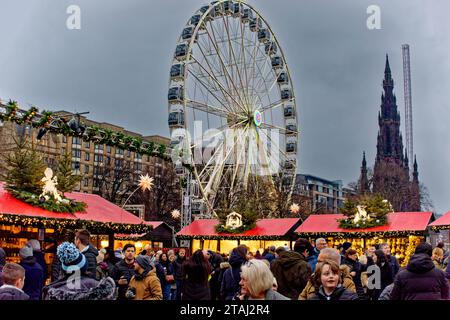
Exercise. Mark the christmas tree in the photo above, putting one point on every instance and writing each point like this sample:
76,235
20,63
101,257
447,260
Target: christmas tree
25,167
67,179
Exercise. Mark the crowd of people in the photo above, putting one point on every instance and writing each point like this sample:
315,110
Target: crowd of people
308,272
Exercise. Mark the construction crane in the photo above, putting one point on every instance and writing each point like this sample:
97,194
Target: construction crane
408,103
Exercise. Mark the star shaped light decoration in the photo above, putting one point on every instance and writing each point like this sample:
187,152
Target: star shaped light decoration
176,214
294,208
145,182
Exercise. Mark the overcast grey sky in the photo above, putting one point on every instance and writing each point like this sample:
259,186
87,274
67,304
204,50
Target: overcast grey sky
117,68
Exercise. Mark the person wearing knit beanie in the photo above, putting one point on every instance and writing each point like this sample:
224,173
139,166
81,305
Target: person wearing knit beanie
71,258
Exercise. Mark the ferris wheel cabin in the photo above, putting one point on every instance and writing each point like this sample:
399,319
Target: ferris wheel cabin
271,48
289,110
177,72
283,78
176,94
247,15
277,62
181,51
263,35
176,118
255,24
286,94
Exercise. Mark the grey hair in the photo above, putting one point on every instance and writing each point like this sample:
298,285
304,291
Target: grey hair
35,244
320,239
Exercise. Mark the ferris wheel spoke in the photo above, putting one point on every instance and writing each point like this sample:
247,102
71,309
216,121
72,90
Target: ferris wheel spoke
225,69
236,62
284,131
276,143
271,106
207,108
213,77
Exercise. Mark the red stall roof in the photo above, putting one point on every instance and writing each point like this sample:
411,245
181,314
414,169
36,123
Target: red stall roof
442,221
264,228
97,209
397,221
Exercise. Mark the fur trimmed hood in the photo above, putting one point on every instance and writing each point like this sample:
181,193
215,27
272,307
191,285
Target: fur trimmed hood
225,265
105,290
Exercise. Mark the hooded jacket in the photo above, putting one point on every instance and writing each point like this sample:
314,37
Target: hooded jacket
91,253
292,272
90,289
149,288
12,293
420,280
40,259
340,293
231,277
2,263
34,276
178,267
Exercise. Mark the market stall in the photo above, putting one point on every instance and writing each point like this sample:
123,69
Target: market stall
20,222
441,226
403,231
161,236
267,232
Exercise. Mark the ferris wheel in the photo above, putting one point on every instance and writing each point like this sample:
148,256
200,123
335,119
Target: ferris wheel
232,108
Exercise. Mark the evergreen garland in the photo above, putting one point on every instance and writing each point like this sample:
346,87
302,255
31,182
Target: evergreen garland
376,207
249,217
49,204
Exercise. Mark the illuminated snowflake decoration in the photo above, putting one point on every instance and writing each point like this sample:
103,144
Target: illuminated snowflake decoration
145,182
176,214
294,208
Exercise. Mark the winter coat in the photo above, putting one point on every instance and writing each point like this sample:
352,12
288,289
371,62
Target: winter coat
196,286
420,280
91,253
312,259
149,288
271,295
355,266
40,258
394,265
230,282
340,293
56,270
8,292
386,279
292,272
104,269
178,267
162,270
215,260
2,263
386,294
347,283
447,272
34,276
89,289
269,256
122,269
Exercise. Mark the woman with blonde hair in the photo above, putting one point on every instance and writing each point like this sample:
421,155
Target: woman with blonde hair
257,282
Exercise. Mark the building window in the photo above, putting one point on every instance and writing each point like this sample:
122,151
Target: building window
86,182
65,139
108,160
86,168
138,156
98,147
129,153
76,140
63,150
87,156
98,158
96,183
76,165
108,149
87,144
76,153
138,166
119,151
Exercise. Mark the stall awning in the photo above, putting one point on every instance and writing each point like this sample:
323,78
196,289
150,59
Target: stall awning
153,224
265,229
398,222
100,214
442,222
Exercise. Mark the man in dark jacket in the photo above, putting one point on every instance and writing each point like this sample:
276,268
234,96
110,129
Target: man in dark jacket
82,242
124,270
39,255
395,266
178,268
14,277
215,260
270,255
420,280
34,274
292,270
